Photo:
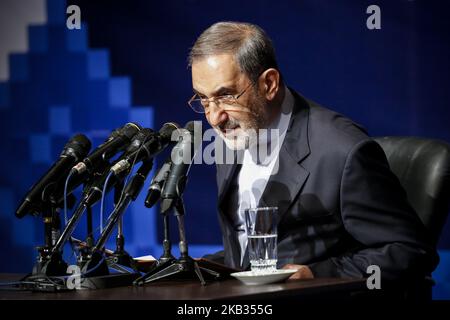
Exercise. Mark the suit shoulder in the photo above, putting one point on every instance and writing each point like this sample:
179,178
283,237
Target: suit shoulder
334,130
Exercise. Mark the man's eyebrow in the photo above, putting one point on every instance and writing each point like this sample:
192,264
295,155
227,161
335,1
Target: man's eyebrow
217,92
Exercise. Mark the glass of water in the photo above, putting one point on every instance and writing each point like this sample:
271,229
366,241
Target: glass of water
261,226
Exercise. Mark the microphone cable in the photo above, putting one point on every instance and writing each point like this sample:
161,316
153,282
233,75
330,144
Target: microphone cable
65,196
123,189
66,183
42,280
102,200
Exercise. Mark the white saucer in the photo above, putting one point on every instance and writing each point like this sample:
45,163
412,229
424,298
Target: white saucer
251,278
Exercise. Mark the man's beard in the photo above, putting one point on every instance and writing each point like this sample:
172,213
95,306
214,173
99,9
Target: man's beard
248,133
238,141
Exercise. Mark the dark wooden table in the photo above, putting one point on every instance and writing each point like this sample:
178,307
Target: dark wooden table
193,290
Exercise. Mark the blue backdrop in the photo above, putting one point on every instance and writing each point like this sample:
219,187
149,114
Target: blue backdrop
128,63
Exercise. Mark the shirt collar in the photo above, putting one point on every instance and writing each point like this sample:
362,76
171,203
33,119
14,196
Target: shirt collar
281,123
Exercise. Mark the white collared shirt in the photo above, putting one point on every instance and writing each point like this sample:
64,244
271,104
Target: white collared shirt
256,169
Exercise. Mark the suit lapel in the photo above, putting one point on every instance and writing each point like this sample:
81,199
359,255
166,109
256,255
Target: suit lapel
225,174
283,187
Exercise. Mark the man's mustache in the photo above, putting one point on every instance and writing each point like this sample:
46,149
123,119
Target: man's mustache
230,124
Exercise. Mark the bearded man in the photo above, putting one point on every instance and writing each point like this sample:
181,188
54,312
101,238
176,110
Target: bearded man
340,208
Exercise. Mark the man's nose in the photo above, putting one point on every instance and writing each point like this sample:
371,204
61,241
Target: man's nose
216,115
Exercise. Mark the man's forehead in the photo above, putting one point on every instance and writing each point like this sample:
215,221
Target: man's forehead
213,72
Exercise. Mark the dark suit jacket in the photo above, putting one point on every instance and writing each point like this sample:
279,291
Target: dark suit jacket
341,209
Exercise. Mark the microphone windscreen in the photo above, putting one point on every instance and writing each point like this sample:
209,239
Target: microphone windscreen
141,137
192,125
167,129
130,129
78,146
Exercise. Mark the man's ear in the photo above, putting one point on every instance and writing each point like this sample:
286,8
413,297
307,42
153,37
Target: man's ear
270,83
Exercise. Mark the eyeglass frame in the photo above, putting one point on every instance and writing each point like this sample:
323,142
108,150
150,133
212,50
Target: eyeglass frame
214,99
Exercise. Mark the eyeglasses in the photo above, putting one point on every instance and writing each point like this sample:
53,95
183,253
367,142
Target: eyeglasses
201,105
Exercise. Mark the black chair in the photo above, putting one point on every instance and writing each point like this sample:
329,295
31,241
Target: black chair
423,168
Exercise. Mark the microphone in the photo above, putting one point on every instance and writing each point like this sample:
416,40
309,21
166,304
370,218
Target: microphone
76,149
141,137
156,142
152,146
96,180
182,155
117,141
154,191
93,192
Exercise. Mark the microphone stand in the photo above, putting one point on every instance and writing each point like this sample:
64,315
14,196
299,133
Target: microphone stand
166,260
167,265
49,264
167,256
91,194
90,230
131,191
121,257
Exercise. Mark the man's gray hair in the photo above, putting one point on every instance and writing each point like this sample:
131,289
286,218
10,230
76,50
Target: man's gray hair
250,45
